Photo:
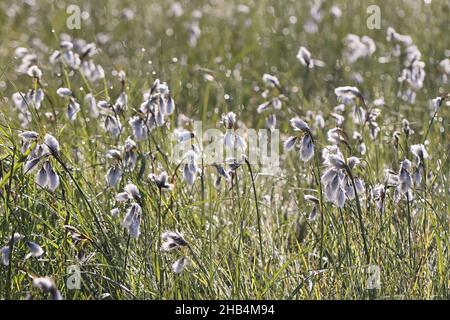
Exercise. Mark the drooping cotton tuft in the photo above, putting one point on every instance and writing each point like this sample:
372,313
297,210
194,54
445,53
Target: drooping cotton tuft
5,253
179,265
64,92
35,249
172,240
51,143
299,124
419,151
306,148
270,80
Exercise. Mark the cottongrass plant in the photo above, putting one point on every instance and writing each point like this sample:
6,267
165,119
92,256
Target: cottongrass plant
304,142
47,285
174,241
304,56
231,139
6,250
274,97
114,173
337,180
73,107
341,185
132,220
35,250
41,154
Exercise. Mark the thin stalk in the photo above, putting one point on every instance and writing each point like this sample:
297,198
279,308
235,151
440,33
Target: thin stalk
86,200
347,243
197,260
411,253
425,218
443,98
360,218
9,272
241,230
322,221
257,210
159,244
11,175
126,255
430,124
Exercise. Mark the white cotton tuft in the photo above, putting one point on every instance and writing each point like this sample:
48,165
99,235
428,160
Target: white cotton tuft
64,92
179,265
306,148
35,249
51,143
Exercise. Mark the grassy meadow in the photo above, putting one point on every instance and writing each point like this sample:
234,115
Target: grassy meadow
92,205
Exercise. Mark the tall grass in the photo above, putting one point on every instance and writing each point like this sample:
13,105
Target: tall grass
250,238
